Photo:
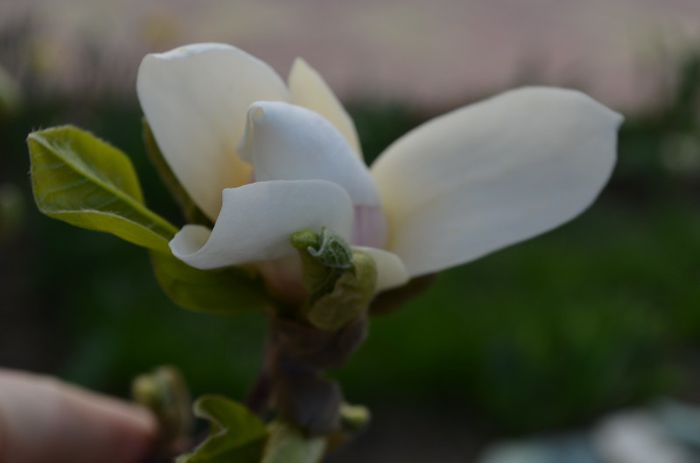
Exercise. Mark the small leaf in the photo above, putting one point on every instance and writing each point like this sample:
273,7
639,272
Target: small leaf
88,183
220,291
332,251
236,435
192,213
288,445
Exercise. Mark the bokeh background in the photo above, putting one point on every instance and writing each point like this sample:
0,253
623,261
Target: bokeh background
543,339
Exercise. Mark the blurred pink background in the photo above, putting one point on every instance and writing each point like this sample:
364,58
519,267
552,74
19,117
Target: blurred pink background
425,52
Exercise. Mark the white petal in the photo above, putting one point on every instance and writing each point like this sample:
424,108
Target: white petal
308,89
195,98
288,142
493,174
391,272
257,220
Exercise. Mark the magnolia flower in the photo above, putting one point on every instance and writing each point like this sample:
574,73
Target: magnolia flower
264,160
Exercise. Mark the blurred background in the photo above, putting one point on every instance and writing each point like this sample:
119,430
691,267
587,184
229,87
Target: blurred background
535,345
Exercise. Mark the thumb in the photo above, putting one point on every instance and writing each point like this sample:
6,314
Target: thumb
43,419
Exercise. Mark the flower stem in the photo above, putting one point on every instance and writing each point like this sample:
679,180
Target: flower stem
258,400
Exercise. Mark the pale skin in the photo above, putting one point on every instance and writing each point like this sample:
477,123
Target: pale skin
43,419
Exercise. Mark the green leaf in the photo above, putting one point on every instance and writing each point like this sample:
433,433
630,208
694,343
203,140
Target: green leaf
192,213
86,182
220,291
288,445
236,435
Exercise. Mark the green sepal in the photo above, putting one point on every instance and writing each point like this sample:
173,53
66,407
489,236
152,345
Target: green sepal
287,444
82,180
340,281
192,213
236,435
320,277
220,291
349,298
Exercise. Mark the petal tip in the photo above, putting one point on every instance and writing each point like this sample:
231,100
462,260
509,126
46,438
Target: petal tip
256,113
184,51
188,241
299,64
618,119
255,116
300,72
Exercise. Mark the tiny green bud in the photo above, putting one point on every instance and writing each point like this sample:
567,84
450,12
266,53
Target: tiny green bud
354,417
145,391
165,393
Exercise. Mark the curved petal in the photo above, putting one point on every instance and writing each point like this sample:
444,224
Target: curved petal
391,272
493,174
308,89
257,220
195,99
288,142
